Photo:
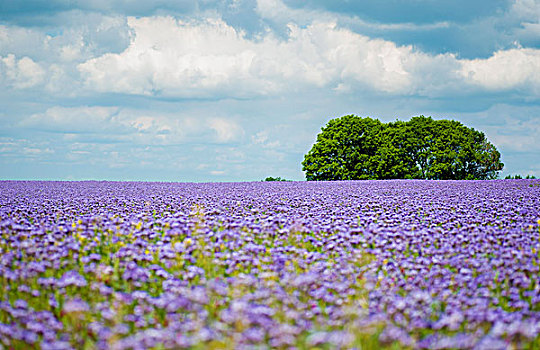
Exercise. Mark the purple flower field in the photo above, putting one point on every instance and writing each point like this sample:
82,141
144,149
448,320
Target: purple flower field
360,264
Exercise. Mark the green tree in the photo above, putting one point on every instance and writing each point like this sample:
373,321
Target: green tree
271,178
518,176
420,142
393,158
352,147
344,150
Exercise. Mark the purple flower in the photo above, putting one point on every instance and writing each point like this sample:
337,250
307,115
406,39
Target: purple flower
491,343
254,335
20,304
271,264
56,345
75,305
72,278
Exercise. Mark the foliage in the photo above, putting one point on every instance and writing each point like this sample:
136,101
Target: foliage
356,148
270,178
517,176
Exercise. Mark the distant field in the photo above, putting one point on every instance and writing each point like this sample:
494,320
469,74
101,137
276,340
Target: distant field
365,264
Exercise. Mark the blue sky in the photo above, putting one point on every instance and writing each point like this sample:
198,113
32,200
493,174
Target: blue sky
237,90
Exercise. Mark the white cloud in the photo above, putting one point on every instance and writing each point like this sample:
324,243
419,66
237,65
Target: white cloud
518,135
277,11
86,123
230,155
36,151
17,149
169,57
22,41
510,128
226,130
21,73
262,138
520,25
164,56
79,37
76,120
35,55
527,9
505,70
198,59
71,52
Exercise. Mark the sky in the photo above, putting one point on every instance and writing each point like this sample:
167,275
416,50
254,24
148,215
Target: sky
237,90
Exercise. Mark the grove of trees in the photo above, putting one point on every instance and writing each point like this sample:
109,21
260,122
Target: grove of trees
355,148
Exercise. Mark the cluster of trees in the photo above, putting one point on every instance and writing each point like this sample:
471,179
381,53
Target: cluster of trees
270,178
515,177
354,148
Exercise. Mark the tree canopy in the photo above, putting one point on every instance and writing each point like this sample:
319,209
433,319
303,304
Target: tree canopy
271,178
355,148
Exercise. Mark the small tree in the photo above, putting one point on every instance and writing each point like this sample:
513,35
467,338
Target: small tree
270,178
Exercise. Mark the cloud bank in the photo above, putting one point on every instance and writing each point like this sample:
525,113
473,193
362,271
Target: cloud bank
238,89
169,57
